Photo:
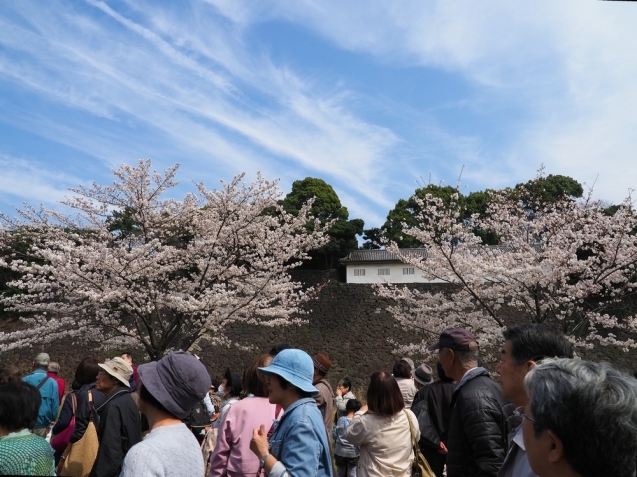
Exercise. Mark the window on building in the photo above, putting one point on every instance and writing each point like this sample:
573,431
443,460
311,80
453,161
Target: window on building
383,271
408,271
359,272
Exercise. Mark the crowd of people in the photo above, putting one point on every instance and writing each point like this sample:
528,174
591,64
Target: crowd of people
550,415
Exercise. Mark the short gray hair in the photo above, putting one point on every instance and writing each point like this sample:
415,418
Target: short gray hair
467,358
53,367
592,408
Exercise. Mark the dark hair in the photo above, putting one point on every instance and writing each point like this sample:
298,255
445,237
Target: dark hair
129,355
592,409
441,373
253,381
401,369
353,405
10,374
233,381
383,394
85,373
346,382
277,348
535,341
148,398
285,384
19,406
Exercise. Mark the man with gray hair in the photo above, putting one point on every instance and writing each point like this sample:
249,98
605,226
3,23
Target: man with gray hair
581,420
48,389
477,437
53,372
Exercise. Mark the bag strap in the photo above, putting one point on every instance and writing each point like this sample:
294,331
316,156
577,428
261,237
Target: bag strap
90,405
42,383
414,442
74,402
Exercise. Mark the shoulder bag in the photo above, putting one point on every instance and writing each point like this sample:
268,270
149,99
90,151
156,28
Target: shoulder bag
80,460
61,440
420,466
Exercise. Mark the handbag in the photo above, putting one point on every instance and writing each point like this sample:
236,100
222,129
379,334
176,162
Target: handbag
420,466
80,460
61,440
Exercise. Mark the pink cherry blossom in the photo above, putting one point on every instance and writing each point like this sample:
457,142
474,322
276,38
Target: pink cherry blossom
187,267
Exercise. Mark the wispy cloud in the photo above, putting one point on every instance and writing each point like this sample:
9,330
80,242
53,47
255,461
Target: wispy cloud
161,76
188,82
565,65
27,180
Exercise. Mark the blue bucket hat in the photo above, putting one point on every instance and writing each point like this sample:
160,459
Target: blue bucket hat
296,367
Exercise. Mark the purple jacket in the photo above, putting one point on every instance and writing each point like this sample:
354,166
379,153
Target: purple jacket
232,455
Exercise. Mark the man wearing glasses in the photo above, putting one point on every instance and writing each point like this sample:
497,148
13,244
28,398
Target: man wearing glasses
581,420
523,346
476,440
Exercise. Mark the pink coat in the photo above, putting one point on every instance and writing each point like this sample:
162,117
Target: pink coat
232,455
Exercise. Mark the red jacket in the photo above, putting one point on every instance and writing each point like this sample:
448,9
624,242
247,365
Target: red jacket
60,382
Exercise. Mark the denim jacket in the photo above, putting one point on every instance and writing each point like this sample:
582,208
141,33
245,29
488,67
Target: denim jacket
299,442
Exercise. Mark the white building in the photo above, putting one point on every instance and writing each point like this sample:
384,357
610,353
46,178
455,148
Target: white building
382,266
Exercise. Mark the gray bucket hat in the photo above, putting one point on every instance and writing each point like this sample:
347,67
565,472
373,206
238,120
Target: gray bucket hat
296,367
424,374
178,381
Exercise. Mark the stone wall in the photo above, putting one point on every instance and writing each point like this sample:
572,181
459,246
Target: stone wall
346,321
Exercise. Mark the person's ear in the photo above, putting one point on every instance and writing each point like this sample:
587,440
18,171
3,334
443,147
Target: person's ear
556,448
530,364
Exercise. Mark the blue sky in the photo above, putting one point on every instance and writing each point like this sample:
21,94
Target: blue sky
369,96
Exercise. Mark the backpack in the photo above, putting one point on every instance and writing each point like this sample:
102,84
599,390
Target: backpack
198,417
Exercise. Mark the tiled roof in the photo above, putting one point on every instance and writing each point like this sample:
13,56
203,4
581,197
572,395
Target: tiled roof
387,256
382,255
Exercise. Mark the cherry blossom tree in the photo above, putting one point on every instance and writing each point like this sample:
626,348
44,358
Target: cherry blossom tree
563,262
135,267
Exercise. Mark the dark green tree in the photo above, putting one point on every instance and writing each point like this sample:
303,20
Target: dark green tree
373,238
327,206
404,213
548,190
534,193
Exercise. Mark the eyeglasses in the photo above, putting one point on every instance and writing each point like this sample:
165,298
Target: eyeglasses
519,412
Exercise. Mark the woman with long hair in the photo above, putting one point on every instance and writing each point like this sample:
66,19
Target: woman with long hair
232,456
85,376
383,432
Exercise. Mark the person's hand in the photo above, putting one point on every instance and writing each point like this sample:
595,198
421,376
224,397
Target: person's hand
58,469
442,448
339,391
259,443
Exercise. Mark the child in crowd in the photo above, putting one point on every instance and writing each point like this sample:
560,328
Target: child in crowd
345,454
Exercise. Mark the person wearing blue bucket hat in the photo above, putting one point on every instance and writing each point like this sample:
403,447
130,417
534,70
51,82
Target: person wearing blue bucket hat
298,444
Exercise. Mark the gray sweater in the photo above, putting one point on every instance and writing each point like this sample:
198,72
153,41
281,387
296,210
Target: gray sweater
168,451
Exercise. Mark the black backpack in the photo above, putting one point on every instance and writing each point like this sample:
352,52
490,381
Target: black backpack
198,417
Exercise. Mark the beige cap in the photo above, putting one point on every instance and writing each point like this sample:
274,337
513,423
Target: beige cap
119,369
42,359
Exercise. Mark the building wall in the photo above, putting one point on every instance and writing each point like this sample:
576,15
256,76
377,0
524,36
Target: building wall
396,273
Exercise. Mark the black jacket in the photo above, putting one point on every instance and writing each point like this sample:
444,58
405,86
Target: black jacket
82,412
119,429
432,407
479,427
